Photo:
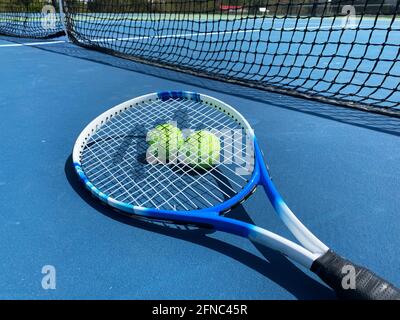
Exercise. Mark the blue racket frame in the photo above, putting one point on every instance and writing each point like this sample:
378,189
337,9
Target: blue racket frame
313,247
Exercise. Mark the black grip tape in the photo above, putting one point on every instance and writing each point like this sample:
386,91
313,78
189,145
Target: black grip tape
368,286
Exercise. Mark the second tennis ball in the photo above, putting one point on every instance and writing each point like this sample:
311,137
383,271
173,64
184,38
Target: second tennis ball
165,141
201,150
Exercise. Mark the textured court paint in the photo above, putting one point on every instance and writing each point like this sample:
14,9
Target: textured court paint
318,155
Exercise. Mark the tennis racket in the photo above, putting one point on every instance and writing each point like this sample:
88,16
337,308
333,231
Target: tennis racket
110,159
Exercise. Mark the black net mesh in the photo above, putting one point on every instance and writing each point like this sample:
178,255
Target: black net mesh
345,52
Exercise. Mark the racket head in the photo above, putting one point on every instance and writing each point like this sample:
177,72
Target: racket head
108,158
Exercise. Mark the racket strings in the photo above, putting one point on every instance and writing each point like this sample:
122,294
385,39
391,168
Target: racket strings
114,158
158,194
165,191
124,181
118,127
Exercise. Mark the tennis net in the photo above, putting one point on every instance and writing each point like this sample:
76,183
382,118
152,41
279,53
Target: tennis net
344,52
30,18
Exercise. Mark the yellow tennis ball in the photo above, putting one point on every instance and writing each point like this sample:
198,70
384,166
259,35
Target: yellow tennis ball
201,150
165,141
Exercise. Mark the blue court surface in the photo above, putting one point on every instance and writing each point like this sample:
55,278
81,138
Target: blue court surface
338,169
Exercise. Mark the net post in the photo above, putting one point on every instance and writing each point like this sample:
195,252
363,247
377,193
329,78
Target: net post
62,18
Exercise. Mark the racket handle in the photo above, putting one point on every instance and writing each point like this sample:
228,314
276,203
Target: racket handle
331,268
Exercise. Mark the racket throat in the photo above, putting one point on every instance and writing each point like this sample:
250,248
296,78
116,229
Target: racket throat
296,227
286,247
266,238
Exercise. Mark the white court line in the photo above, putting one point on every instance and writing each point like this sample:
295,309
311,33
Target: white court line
183,35
205,34
31,44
